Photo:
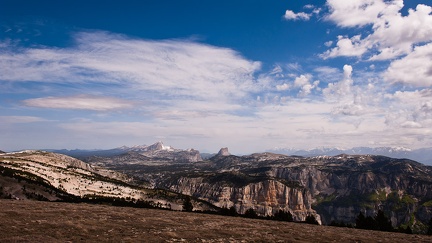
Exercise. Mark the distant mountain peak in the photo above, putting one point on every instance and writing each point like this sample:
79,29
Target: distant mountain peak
422,155
223,152
147,148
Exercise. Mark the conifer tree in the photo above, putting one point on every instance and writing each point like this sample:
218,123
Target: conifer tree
187,205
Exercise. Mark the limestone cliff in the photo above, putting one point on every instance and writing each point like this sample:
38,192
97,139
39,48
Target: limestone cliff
345,186
265,197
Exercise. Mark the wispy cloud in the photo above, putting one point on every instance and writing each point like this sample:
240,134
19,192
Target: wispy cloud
80,102
169,68
21,119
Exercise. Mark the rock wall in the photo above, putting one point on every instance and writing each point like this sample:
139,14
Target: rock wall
358,191
265,197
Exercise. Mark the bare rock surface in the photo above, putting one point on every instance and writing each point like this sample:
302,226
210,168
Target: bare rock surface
223,152
33,221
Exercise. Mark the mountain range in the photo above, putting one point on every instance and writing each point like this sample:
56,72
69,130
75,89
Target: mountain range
331,188
155,151
422,155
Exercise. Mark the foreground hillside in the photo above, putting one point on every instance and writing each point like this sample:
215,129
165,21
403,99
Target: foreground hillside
35,221
49,176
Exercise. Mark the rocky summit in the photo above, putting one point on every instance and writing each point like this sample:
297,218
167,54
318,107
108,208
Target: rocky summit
223,152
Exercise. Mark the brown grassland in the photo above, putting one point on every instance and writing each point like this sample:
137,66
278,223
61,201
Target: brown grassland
33,221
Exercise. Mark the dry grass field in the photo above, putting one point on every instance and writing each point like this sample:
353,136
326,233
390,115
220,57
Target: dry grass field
33,221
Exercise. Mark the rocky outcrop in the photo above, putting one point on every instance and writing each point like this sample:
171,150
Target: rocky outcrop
265,197
338,188
342,190
223,152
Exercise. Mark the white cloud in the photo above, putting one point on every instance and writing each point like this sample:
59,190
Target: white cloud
302,80
348,47
354,13
414,69
395,35
290,15
80,102
340,90
412,109
328,43
167,68
282,87
196,95
307,88
347,71
20,119
392,35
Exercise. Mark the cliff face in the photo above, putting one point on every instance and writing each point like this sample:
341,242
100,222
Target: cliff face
265,197
340,192
337,188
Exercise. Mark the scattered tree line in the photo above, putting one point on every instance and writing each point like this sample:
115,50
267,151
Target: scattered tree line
379,222
280,215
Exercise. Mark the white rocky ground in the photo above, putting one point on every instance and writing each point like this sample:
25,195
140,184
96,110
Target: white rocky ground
70,175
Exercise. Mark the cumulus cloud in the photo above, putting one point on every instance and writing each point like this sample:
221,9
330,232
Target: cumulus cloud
339,90
304,83
348,47
302,80
414,69
413,109
301,83
307,88
80,103
290,15
354,13
282,87
392,35
350,99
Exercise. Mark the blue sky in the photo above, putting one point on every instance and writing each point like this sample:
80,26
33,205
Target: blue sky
250,75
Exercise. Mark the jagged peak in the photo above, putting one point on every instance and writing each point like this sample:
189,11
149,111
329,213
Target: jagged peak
223,152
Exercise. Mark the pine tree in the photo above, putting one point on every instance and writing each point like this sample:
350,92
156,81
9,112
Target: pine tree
382,222
429,231
187,205
283,216
250,213
361,221
310,219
